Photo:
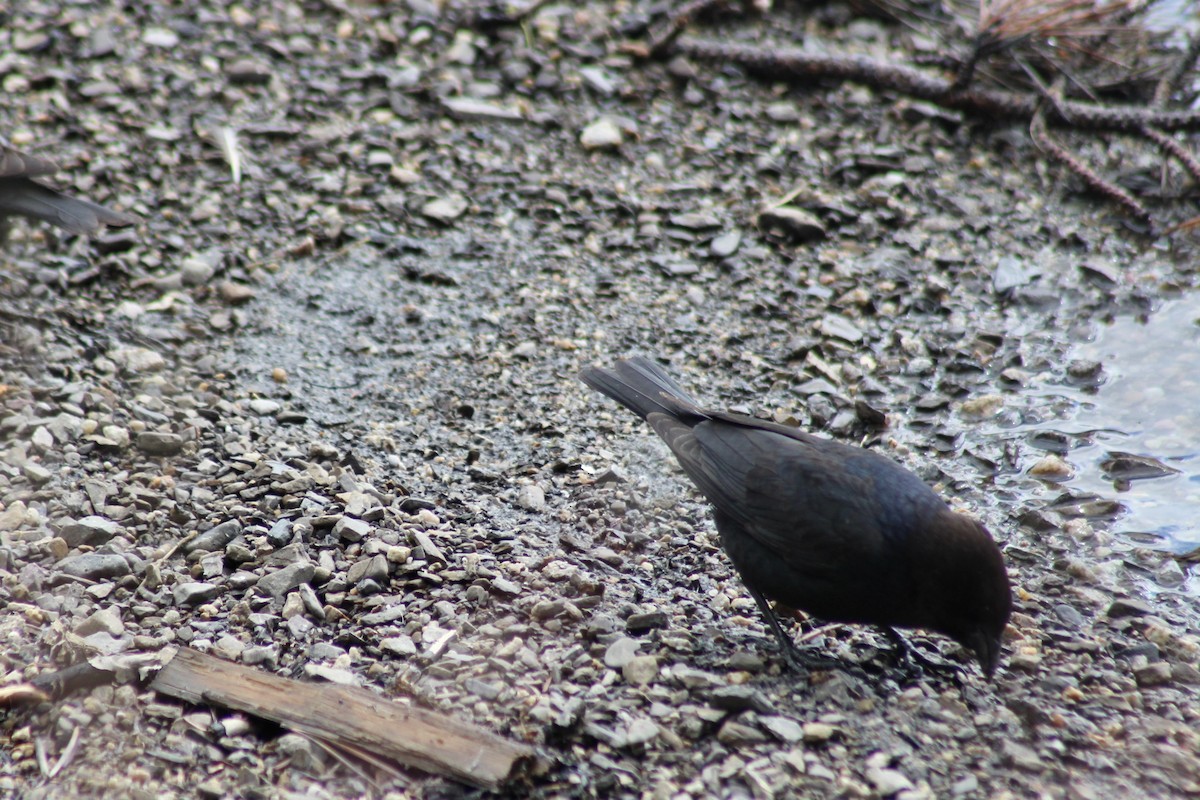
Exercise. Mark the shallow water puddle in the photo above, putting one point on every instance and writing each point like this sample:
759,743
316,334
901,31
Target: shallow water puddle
1134,438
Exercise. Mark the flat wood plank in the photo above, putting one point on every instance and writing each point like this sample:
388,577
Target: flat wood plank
414,737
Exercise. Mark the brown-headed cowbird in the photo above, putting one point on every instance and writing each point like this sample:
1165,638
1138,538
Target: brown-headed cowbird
840,532
20,194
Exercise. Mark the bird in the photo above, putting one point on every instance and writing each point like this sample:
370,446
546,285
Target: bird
21,195
840,532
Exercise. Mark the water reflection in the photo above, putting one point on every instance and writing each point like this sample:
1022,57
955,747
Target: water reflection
1133,437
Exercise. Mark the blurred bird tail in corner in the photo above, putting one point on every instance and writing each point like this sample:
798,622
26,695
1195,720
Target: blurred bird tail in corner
23,196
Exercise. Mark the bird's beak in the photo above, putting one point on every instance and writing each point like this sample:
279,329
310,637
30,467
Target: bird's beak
987,651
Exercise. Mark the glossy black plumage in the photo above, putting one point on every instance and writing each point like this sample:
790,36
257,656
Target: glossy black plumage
23,196
840,532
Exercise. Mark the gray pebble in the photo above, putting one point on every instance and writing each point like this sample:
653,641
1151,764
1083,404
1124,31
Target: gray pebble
215,538
640,670
154,443
264,407
281,581
193,593
267,655
91,530
738,697
505,586
446,209
488,691
351,529
1128,607
106,620
736,734
399,645
1020,756
640,623
1069,615
726,244
783,728
791,223
640,731
1155,674
95,566
531,497
621,652
602,134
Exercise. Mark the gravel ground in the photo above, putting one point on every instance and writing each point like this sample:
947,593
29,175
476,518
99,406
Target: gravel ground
349,377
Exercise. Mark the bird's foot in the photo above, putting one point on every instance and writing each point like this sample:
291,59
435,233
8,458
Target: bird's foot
914,662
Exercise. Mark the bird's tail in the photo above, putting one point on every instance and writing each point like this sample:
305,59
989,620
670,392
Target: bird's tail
74,215
641,386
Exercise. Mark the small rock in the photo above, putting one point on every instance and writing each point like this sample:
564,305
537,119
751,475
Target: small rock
194,593
604,133
1069,616
785,729
1020,756
374,568
106,620
726,244
230,647
1119,466
399,645
695,220
505,586
215,538
1128,607
161,37
888,781
621,652
640,731
640,623
264,407
839,328
531,497
640,670
818,732
446,209
278,583
137,360
1052,468
967,785
739,697
791,223
91,530
351,529
735,734
95,566
983,407
196,271
154,443
546,609
488,691
302,753
1155,674
234,293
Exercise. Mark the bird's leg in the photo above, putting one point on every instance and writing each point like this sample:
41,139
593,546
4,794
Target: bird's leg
790,654
910,655
795,659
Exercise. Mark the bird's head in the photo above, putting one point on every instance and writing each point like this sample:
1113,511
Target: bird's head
969,598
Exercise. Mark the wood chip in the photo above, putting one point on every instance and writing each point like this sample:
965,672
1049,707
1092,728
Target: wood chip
348,717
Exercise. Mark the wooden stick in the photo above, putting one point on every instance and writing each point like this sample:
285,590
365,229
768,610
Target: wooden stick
348,716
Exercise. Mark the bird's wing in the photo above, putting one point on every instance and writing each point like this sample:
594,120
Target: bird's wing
798,497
